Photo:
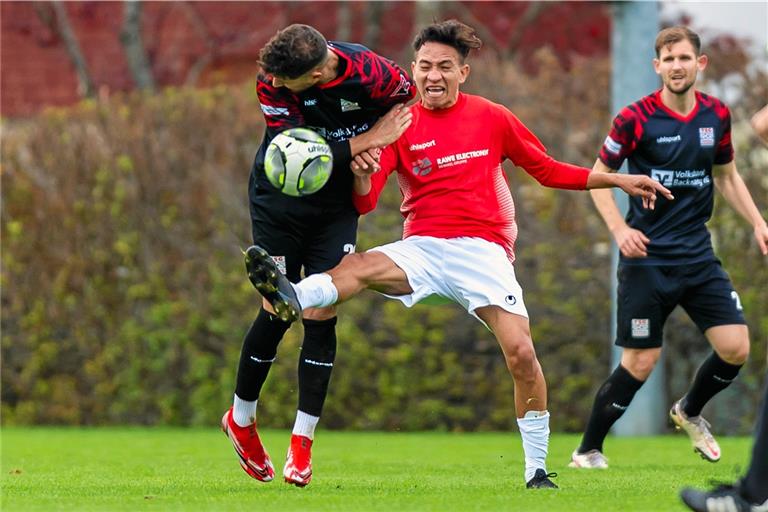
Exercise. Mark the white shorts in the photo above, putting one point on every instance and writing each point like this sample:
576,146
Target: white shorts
469,271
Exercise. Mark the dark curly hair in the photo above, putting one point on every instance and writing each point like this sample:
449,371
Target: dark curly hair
293,51
452,33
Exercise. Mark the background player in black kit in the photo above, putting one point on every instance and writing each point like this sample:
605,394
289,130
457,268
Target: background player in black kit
682,138
353,98
750,493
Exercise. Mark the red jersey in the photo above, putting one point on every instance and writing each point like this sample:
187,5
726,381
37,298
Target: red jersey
448,166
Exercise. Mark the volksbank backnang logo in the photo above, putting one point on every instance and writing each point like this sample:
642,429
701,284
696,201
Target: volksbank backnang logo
694,178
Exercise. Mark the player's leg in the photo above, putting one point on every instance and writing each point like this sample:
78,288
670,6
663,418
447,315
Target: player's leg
513,334
754,486
260,346
713,304
611,400
325,243
644,299
749,495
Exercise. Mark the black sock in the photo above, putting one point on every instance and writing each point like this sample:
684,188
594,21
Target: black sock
258,353
714,375
754,487
612,399
316,364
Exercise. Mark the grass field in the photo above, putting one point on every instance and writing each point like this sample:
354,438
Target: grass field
45,469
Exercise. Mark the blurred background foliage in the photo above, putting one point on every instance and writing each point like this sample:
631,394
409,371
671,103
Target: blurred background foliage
125,299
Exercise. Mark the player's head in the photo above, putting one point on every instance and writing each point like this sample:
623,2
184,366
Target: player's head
295,57
678,58
438,67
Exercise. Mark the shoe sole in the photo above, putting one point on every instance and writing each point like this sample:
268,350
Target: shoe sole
696,449
264,276
574,465
295,482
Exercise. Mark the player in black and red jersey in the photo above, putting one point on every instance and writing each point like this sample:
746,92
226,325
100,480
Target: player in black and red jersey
353,98
681,138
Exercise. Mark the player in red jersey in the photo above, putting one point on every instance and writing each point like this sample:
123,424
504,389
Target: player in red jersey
460,225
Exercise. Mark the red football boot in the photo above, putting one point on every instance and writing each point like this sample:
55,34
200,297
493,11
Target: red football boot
253,457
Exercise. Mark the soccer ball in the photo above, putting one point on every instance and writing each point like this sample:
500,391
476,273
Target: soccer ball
298,162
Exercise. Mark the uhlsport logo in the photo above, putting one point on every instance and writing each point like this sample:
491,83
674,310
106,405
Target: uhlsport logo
510,299
423,145
669,139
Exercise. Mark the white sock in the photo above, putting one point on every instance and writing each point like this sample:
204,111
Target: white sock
244,412
305,424
316,291
534,429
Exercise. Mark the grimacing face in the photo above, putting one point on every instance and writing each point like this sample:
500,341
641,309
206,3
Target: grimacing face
438,73
678,66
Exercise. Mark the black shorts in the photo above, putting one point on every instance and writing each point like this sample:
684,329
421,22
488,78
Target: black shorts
302,236
647,294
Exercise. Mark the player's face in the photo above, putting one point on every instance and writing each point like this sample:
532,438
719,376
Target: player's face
678,66
438,73
298,84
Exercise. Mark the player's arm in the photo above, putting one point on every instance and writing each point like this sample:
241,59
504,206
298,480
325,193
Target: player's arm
387,130
526,151
729,182
760,123
281,111
370,178
387,86
631,242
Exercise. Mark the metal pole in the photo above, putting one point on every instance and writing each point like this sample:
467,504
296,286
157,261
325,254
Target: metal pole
635,25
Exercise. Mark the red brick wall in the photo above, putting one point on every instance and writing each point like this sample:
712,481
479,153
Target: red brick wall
206,42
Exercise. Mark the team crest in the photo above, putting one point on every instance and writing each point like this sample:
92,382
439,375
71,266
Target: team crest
421,167
347,106
707,137
641,327
280,263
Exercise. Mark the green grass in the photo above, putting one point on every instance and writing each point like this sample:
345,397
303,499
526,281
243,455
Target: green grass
140,469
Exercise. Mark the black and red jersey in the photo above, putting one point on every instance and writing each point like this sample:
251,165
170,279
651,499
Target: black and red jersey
678,152
366,87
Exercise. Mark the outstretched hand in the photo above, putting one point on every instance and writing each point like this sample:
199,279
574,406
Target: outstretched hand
644,187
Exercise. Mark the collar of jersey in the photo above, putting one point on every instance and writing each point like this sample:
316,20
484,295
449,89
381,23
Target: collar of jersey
675,115
347,69
460,101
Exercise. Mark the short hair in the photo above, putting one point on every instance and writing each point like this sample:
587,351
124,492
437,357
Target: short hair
672,35
293,51
452,33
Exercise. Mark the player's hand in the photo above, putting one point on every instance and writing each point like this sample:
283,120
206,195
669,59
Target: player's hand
631,242
366,163
761,235
390,126
643,186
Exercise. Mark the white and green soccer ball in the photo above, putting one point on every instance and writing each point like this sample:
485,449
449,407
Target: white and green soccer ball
298,162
